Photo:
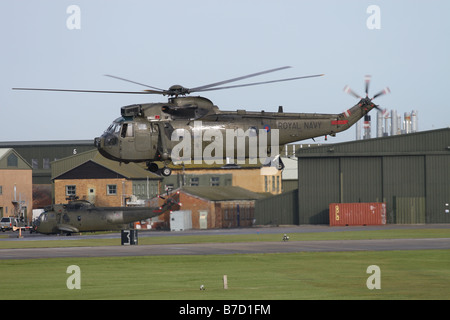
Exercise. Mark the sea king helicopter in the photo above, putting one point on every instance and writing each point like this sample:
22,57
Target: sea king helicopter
192,127
82,216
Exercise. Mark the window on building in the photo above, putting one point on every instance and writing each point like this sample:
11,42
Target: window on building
168,187
214,181
194,182
266,187
12,160
46,163
1,190
225,213
111,189
35,163
71,190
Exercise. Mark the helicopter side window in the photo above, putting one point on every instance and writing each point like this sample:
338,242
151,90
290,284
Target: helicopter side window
142,126
127,130
154,128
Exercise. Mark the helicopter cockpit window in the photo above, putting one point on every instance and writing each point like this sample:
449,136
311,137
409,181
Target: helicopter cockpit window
113,128
43,217
127,130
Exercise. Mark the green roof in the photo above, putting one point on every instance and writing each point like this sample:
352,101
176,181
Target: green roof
224,193
128,170
423,142
5,154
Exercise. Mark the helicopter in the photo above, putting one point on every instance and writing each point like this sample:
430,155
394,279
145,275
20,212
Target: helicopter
82,216
192,127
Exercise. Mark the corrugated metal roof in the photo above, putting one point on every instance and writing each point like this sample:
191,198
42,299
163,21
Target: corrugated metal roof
129,170
225,193
48,143
424,142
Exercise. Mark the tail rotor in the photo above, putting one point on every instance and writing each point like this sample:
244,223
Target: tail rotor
367,101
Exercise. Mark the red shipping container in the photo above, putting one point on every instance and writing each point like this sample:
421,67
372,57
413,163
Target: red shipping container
357,214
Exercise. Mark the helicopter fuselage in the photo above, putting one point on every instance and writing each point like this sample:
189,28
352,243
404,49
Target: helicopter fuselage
190,128
193,125
74,218
81,216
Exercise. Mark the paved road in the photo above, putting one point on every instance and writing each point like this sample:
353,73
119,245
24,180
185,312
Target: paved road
227,248
12,236
231,248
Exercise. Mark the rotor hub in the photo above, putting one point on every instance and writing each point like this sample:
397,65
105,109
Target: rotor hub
177,90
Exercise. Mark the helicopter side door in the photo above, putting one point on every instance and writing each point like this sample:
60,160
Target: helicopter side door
127,139
144,140
154,139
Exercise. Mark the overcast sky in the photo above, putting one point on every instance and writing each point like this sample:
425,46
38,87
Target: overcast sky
48,44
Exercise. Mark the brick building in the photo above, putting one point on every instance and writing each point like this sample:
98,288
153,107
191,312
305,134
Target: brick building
103,182
253,177
16,197
218,207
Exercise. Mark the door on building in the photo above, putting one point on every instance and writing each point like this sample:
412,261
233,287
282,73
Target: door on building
203,219
410,210
91,195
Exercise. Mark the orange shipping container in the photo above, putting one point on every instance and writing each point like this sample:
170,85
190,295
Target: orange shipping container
357,214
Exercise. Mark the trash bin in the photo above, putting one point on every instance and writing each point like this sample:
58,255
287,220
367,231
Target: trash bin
129,237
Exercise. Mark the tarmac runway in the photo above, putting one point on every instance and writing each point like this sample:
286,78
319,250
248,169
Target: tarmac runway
227,248
231,248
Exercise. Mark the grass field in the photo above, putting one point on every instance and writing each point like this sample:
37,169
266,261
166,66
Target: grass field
421,274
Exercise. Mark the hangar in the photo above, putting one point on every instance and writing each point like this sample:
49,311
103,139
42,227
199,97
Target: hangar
39,154
410,173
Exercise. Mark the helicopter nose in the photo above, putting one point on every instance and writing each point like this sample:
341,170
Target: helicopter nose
35,225
99,142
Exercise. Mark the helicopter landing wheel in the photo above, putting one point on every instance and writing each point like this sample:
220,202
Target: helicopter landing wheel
152,167
280,165
166,171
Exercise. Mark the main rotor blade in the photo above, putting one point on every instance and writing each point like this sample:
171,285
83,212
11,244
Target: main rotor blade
258,83
123,79
350,91
367,80
201,88
93,91
382,92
